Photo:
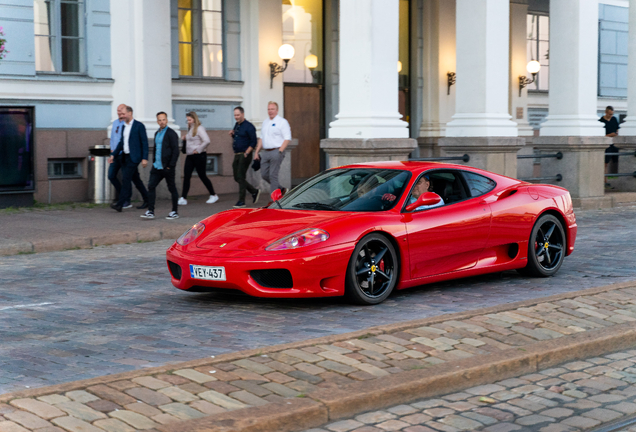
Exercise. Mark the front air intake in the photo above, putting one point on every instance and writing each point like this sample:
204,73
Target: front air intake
175,270
273,278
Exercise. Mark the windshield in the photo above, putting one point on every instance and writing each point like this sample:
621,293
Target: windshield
353,189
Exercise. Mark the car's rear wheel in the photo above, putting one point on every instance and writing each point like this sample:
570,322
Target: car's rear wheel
373,270
546,247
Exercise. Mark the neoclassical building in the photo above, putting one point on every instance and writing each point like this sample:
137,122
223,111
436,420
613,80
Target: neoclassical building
368,80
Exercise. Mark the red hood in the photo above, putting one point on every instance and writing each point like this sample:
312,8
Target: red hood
257,229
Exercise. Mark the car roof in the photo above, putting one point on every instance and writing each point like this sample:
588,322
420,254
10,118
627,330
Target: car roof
419,167
415,167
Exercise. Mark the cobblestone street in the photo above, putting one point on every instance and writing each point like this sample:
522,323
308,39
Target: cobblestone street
573,397
77,314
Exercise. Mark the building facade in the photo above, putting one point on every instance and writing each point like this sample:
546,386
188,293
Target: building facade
419,77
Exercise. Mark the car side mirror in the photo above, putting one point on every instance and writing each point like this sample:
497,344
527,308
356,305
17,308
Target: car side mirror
276,195
426,199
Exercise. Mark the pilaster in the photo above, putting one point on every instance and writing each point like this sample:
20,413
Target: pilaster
573,70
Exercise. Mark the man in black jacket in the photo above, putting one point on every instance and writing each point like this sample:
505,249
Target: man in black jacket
165,156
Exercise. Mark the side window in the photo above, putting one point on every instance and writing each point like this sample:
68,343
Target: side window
447,184
478,184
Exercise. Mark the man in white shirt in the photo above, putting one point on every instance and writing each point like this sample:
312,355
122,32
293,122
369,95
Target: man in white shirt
275,137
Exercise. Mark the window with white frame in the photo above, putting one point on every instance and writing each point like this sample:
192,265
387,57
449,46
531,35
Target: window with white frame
538,48
59,36
201,38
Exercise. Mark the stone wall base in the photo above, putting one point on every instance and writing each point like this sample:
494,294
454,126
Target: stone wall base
593,203
582,166
496,154
345,151
626,164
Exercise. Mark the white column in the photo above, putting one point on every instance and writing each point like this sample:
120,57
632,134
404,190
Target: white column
573,69
629,127
140,46
482,70
261,36
368,71
518,64
439,48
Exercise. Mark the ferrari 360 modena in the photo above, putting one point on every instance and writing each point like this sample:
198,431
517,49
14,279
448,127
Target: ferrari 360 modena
364,230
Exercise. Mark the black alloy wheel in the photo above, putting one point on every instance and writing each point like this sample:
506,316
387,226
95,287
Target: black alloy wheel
546,247
373,270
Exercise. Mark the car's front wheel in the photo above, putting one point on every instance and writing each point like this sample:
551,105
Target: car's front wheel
373,270
546,247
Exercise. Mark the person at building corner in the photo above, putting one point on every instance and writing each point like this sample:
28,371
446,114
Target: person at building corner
133,150
197,141
610,123
275,137
243,144
164,166
116,165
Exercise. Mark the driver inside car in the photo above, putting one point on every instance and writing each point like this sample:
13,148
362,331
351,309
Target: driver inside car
424,185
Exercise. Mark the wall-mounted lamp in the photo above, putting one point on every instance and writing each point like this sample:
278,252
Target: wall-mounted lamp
286,52
311,63
399,66
533,67
451,79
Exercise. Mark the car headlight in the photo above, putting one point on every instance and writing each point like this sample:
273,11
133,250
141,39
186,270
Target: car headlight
191,234
299,239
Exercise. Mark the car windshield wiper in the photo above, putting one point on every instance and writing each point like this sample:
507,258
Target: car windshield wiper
315,206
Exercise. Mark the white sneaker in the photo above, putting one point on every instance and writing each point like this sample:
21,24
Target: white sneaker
212,199
148,215
173,215
183,201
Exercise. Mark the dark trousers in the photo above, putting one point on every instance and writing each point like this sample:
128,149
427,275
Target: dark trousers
155,178
192,162
240,166
113,170
130,175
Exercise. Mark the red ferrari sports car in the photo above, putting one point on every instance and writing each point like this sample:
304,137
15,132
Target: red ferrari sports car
364,230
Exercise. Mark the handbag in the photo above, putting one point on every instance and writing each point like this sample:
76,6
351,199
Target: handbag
256,165
183,146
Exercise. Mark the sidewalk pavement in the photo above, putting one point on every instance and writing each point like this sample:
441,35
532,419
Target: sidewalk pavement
85,226
303,385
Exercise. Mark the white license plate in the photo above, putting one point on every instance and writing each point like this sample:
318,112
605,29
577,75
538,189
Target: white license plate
207,273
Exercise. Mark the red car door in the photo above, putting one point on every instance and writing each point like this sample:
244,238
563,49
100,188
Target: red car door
451,237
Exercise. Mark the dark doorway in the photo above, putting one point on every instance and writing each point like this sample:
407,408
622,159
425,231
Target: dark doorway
303,111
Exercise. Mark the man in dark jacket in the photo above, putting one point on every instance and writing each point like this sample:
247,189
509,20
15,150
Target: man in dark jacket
165,156
244,135
133,150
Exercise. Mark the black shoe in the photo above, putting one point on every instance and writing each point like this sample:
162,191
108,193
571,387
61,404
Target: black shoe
255,196
239,204
144,205
116,207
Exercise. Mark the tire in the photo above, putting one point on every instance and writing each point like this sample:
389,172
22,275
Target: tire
546,248
370,281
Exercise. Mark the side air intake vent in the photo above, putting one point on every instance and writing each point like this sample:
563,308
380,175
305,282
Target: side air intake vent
273,278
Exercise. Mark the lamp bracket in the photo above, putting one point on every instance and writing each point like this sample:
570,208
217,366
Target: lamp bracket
451,79
524,81
275,70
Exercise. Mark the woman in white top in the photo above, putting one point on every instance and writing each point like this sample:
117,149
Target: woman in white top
197,141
